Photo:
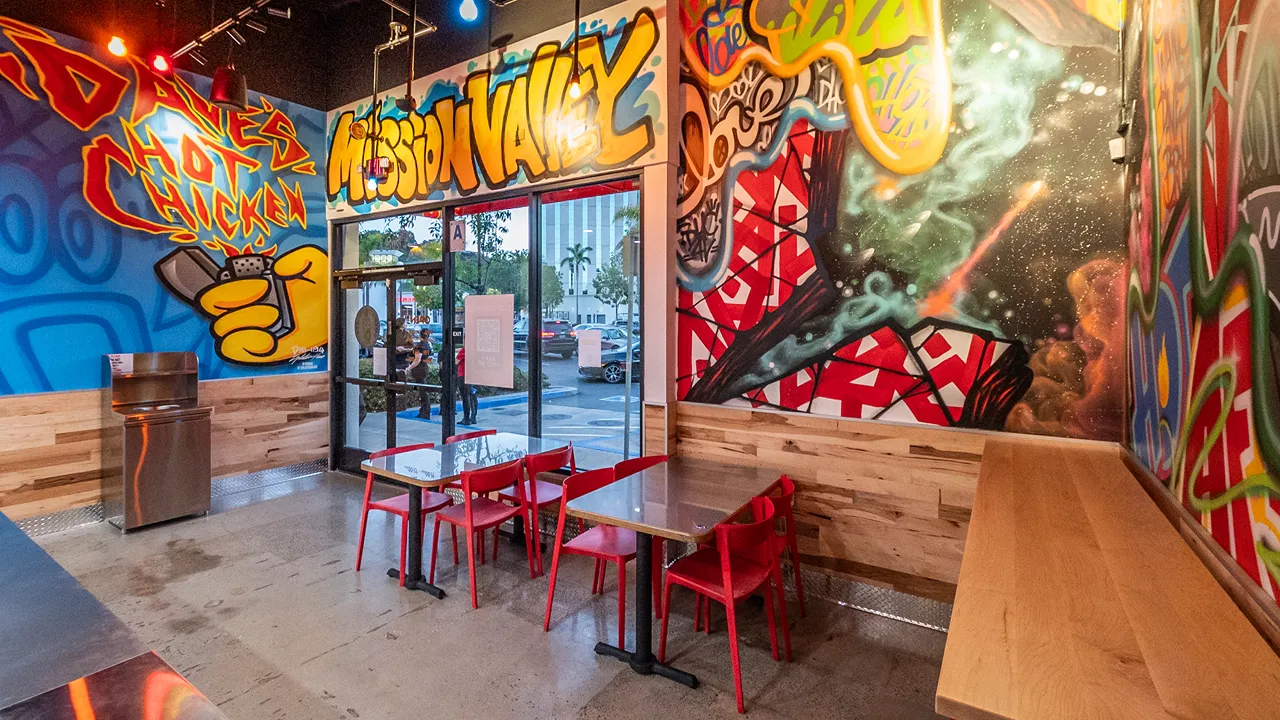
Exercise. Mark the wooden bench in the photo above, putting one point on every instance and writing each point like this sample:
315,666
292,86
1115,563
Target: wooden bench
1078,599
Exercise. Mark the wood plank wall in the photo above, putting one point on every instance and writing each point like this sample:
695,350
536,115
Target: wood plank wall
51,454
883,503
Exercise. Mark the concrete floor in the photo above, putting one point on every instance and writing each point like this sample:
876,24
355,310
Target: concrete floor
259,606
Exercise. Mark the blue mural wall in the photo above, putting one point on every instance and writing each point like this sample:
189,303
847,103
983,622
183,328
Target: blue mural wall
135,217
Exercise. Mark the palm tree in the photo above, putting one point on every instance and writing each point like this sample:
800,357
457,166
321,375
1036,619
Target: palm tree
577,259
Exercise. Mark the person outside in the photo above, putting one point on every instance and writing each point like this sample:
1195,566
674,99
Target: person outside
417,370
469,400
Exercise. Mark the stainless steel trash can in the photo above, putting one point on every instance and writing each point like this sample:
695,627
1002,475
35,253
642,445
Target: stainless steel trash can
160,440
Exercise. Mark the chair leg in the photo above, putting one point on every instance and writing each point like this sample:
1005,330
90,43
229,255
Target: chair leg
622,604
697,612
453,530
600,577
773,624
435,540
666,618
794,551
551,588
733,652
528,550
495,543
404,545
482,554
364,521
595,577
535,534
471,563
782,607
706,618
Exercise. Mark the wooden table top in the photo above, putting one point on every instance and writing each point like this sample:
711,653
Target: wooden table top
679,499
443,464
1077,598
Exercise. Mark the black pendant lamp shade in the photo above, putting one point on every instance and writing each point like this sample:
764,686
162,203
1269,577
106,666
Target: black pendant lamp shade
228,90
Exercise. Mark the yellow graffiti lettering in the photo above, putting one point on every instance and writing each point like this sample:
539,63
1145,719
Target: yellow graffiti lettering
519,149
487,120
611,80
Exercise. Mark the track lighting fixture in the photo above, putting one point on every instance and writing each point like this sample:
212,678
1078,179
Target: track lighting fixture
235,36
255,25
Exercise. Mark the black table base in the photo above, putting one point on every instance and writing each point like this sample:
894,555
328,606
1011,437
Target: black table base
642,661
414,579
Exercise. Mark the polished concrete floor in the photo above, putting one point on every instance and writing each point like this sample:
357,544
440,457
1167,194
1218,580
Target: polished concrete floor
259,606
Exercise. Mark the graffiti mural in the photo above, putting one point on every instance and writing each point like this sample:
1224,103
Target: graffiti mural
888,211
1204,191
511,120
136,216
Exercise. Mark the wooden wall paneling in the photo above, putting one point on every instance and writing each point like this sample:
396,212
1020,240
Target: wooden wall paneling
879,502
655,429
52,450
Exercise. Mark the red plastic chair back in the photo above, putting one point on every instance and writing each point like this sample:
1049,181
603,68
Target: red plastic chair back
469,435
781,496
751,540
492,479
579,484
401,449
550,461
630,467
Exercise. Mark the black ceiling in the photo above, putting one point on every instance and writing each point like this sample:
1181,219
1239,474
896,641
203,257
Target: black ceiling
322,57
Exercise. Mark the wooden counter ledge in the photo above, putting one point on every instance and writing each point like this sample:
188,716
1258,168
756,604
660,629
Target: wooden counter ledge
1078,599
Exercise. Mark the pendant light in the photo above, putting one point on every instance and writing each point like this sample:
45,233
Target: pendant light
469,10
575,80
229,90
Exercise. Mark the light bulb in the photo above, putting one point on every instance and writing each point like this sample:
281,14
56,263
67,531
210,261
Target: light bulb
160,63
371,184
575,90
469,10
116,46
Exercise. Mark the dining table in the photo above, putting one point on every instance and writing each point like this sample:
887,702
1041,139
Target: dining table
682,499
433,468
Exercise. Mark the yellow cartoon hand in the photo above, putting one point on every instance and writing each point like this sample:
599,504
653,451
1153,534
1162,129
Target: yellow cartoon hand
243,314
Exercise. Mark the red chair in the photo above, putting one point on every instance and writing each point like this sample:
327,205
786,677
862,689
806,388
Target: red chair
478,513
399,506
605,543
783,498
457,485
468,435
744,559
538,493
627,468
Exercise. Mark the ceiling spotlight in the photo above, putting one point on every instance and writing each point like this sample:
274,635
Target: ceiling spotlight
235,36
469,10
285,13
116,46
161,63
228,90
195,55
255,25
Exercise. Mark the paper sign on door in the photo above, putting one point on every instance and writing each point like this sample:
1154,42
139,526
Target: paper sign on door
488,340
589,348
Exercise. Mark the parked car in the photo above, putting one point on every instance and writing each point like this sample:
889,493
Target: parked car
613,367
557,337
611,336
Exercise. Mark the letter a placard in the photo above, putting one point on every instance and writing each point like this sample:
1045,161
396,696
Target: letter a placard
457,236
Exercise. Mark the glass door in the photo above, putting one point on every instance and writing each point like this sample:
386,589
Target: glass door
387,336
589,239
489,256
